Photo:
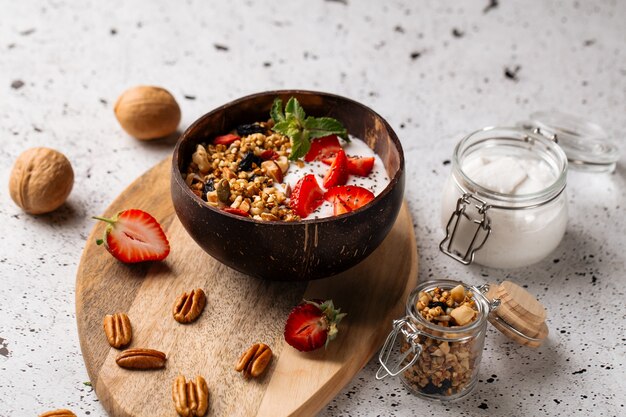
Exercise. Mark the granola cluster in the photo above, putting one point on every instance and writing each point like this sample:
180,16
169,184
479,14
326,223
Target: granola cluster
445,367
245,174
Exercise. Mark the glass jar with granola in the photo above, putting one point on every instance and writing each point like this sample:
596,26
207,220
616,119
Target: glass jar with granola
443,334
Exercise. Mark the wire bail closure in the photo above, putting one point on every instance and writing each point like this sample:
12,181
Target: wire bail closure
410,332
481,225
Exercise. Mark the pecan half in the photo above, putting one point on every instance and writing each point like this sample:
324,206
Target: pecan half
118,330
254,361
189,306
191,398
141,359
58,413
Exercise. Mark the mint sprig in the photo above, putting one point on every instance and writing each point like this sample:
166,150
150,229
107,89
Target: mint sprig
300,129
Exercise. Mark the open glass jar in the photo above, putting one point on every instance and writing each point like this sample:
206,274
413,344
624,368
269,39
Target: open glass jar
504,204
442,362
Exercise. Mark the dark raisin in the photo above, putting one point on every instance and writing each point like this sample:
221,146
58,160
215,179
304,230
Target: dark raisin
431,388
208,187
434,304
248,161
245,130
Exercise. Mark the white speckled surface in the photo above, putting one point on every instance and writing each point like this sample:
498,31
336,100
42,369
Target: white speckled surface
434,69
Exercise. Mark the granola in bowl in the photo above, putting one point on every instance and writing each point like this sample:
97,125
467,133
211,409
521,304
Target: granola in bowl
258,171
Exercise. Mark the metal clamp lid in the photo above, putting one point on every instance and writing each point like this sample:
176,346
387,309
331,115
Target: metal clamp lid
586,144
410,332
479,229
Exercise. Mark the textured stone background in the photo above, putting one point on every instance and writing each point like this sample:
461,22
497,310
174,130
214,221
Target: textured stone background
436,70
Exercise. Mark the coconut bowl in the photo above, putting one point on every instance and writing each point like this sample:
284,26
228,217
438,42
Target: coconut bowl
290,251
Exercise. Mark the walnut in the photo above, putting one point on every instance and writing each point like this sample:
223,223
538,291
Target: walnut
41,180
147,112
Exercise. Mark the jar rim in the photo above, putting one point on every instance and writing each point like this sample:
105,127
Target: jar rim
461,332
516,134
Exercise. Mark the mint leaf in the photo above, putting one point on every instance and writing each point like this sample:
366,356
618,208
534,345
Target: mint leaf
324,126
276,113
299,146
300,129
294,109
282,127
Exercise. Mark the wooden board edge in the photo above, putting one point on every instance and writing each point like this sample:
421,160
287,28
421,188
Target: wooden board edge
89,349
341,378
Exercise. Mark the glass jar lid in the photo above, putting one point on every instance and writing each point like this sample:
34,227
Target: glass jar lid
586,144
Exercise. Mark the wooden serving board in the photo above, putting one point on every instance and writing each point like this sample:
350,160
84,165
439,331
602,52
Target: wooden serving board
240,311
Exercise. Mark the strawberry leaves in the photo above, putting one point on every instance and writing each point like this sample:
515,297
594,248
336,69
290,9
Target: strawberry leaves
300,128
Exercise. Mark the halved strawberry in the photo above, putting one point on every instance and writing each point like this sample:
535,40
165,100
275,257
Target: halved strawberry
236,211
357,165
339,207
324,147
338,172
134,236
306,196
225,139
312,324
351,196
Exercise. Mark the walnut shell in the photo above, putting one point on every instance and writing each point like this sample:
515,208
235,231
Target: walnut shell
147,112
41,180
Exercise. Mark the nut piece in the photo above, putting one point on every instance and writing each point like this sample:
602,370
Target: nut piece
41,180
190,398
463,314
58,413
147,112
283,163
188,307
118,330
254,361
458,293
273,171
141,359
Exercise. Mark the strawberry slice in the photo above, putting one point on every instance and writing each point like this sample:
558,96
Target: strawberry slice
312,324
306,196
134,236
236,211
338,172
357,165
324,147
225,139
352,196
339,207
269,154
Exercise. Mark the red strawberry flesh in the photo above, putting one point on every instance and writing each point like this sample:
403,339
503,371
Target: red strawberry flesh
324,147
357,165
134,236
312,324
306,196
225,139
338,172
236,211
352,196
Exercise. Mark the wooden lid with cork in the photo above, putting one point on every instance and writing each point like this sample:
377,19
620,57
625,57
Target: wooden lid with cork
520,316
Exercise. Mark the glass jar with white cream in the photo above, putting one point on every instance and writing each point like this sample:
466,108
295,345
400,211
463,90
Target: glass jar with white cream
504,204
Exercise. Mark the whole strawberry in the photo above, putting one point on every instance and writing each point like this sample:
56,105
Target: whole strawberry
312,324
134,236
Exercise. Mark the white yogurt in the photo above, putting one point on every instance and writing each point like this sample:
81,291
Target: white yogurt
375,182
507,174
520,179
